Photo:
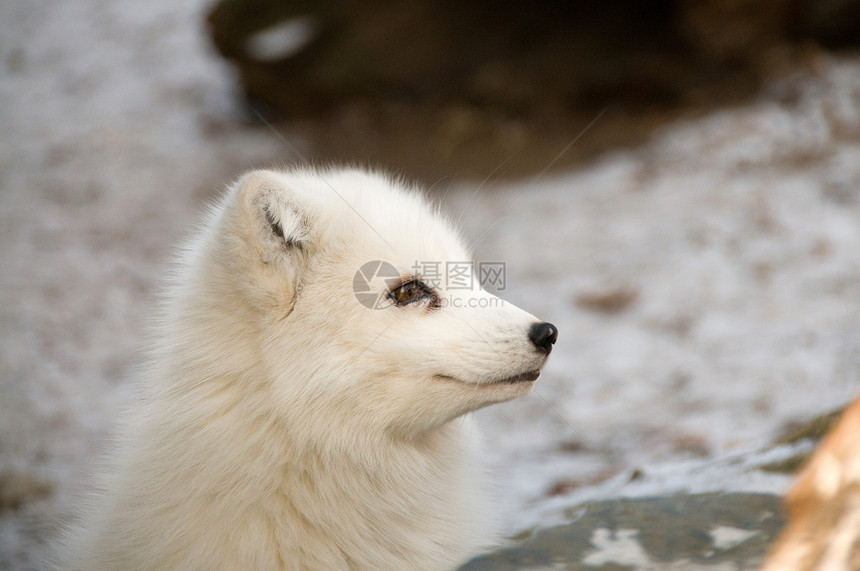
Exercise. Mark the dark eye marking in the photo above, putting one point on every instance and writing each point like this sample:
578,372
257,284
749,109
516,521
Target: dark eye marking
414,292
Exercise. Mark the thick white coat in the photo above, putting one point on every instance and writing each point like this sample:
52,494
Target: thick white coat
282,424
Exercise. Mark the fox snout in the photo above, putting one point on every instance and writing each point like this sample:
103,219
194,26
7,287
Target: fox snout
543,335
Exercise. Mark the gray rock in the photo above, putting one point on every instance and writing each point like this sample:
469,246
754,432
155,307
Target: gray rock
703,531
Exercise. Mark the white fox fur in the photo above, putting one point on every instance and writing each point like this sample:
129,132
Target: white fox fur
284,425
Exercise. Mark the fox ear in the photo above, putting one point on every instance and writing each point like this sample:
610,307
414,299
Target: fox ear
270,239
271,214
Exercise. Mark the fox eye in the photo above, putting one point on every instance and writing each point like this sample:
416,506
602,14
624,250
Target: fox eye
407,292
412,292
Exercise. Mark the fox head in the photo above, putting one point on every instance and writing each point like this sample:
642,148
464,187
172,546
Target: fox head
329,293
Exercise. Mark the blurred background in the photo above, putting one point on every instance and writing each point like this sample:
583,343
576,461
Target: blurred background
442,87
676,185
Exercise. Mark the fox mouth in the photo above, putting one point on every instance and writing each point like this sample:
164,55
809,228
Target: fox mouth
527,377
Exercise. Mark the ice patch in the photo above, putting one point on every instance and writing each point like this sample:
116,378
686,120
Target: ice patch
620,547
725,537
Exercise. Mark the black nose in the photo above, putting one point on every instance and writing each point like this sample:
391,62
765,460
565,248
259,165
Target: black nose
543,335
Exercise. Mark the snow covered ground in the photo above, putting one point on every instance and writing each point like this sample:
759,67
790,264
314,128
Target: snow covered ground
706,288
706,285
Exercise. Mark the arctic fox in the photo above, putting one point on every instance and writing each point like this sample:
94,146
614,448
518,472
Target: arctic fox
304,407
